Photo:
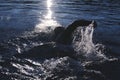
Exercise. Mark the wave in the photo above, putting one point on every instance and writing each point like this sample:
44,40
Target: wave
89,63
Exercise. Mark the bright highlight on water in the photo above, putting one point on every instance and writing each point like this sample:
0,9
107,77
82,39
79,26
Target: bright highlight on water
48,22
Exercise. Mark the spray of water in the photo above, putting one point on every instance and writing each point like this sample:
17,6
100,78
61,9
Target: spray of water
84,45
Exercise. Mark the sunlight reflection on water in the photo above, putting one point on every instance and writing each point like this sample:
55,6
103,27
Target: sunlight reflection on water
48,22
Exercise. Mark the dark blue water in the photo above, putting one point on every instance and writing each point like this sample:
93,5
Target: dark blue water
28,23
16,16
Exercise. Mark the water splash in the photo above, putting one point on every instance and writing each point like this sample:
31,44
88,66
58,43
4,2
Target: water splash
84,45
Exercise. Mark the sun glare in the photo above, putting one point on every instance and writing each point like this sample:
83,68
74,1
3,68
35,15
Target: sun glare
48,20
49,3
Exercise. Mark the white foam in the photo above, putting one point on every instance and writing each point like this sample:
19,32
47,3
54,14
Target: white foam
84,46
